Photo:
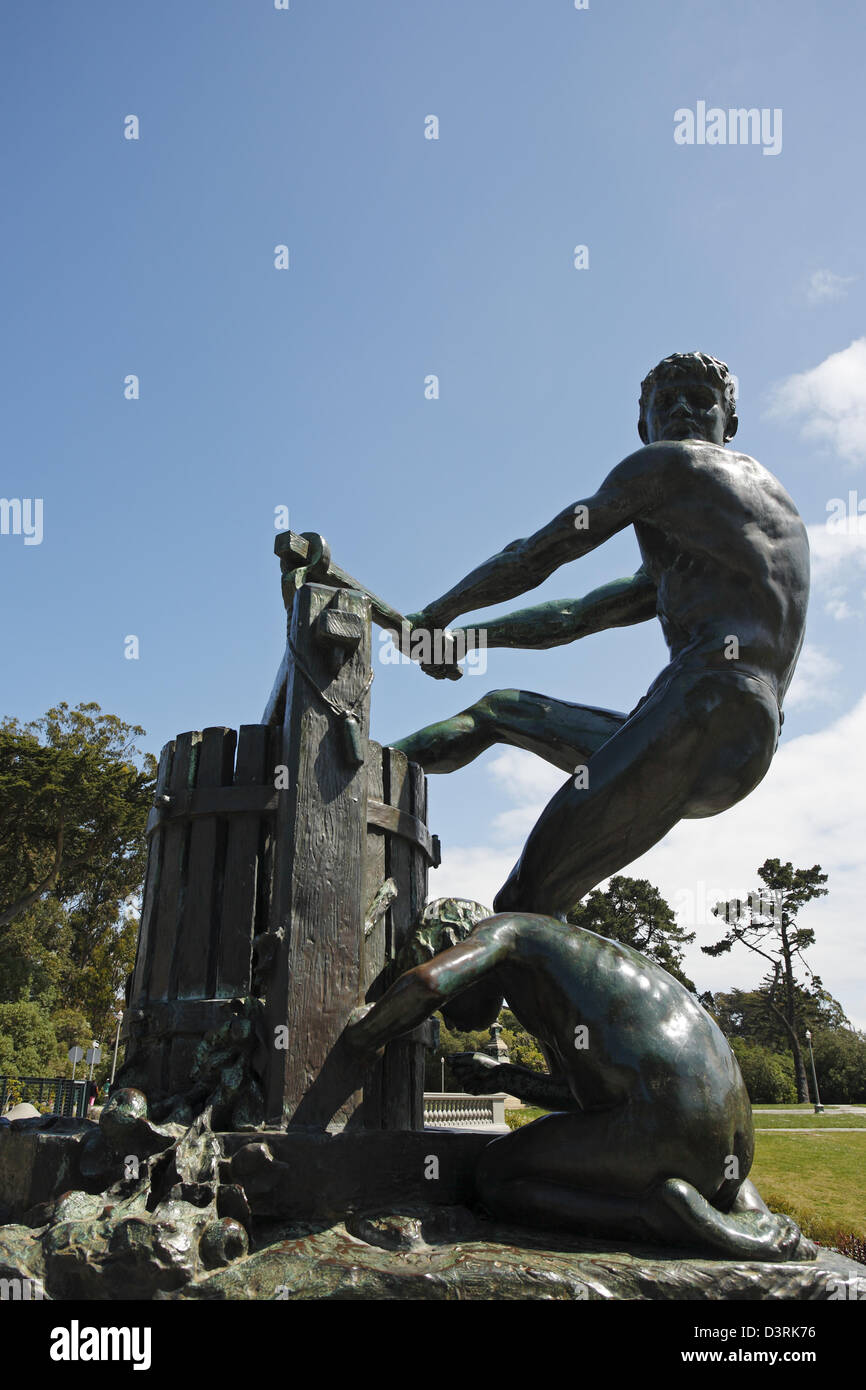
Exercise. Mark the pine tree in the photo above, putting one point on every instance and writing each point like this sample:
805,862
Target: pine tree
766,922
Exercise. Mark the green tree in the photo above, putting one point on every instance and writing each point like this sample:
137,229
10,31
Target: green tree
451,1040
748,1014
840,1064
633,912
766,922
34,955
28,1043
73,806
769,1076
522,1047
74,798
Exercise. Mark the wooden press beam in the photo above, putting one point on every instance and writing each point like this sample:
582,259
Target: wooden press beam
317,908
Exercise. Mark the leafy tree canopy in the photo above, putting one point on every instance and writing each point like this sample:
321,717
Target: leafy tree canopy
766,923
73,805
74,798
747,1014
633,912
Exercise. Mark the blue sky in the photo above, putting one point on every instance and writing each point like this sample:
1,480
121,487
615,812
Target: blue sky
408,256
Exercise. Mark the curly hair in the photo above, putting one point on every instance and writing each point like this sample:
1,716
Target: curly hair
697,365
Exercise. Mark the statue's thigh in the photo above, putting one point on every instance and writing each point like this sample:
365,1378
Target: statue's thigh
599,1151
562,733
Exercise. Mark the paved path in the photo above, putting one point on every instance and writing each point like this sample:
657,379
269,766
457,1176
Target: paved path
812,1129
828,1110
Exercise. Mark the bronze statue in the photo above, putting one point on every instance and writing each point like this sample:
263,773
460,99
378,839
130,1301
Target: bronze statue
653,1139
726,570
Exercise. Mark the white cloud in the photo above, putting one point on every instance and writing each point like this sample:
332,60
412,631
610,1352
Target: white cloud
476,873
813,679
810,809
528,781
839,565
831,400
826,287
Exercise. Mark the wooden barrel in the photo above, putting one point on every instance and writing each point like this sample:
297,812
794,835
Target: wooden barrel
206,898
208,910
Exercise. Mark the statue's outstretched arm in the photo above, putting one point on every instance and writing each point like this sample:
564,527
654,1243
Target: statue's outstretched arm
618,604
524,564
481,1075
537,1088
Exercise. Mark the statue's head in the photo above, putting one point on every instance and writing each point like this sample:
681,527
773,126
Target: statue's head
688,396
444,923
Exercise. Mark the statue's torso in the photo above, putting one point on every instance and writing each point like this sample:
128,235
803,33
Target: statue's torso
730,558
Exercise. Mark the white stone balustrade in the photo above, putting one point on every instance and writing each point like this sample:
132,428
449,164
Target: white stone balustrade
446,1109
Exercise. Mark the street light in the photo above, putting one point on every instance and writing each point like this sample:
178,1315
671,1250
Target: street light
819,1109
116,1043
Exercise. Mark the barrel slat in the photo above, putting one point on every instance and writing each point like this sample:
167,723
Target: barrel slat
170,900
374,946
198,927
148,925
396,1112
238,918
374,978
415,1053
195,945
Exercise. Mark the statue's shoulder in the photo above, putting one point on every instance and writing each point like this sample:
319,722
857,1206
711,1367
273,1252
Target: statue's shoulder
754,473
649,465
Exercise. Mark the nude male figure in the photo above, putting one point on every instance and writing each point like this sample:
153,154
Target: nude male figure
654,1139
726,571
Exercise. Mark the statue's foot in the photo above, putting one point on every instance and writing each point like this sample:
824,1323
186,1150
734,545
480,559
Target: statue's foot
678,1209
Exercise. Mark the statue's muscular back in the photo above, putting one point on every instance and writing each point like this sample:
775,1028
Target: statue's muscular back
629,1040
729,555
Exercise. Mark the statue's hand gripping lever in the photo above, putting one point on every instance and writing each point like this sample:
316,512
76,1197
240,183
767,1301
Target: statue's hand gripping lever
307,558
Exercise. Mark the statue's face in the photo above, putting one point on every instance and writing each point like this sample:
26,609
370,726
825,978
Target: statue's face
686,408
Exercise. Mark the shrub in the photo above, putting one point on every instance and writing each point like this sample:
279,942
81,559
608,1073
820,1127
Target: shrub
28,1043
840,1062
769,1076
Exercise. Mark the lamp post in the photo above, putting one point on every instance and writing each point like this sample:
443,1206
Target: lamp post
819,1109
116,1042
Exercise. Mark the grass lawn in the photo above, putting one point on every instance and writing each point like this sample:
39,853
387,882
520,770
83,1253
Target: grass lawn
515,1118
816,1178
809,1121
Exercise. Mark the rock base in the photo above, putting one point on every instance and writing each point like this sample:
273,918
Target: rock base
166,1212
435,1254
440,1254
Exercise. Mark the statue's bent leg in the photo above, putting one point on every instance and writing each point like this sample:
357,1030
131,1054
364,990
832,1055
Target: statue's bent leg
577,1173
694,747
562,733
585,1173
